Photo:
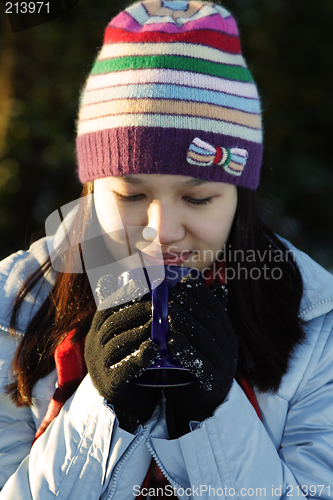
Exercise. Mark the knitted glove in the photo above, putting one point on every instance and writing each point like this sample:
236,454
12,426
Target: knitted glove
202,338
117,350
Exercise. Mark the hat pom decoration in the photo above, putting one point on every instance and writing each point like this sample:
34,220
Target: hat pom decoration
203,154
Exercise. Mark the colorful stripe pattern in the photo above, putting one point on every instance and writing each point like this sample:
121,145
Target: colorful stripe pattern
170,65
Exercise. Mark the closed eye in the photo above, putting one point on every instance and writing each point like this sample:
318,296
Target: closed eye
199,201
129,198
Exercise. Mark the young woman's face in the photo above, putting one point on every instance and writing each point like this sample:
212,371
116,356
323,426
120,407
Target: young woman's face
185,218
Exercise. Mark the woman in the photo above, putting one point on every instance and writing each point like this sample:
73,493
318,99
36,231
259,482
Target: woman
169,151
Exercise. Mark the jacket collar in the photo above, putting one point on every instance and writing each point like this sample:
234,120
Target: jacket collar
318,285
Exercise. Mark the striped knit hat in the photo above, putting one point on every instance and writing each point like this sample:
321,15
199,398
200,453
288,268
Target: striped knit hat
170,93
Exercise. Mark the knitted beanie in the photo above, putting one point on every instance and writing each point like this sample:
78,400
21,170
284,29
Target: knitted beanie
170,93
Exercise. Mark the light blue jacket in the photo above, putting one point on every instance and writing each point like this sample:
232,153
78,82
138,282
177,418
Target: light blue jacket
84,455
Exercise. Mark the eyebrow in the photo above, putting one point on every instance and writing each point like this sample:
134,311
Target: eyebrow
191,182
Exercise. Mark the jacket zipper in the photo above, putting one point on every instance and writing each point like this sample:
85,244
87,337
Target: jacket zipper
173,483
135,443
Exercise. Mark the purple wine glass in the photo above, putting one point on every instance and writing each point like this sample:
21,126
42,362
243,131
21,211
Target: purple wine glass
166,371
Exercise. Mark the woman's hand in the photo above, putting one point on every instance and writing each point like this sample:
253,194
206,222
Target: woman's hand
202,338
117,350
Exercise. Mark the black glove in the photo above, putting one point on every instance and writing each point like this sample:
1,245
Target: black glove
203,340
117,350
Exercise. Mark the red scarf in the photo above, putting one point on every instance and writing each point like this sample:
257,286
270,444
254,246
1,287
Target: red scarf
71,369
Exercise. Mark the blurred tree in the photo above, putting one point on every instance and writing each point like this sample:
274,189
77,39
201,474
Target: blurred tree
7,59
288,47
40,96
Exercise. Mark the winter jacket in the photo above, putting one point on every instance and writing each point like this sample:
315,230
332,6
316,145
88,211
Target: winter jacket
85,455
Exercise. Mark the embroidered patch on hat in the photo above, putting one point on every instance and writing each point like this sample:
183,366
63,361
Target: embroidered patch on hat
203,154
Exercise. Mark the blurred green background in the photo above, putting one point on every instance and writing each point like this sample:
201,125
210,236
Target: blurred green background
288,45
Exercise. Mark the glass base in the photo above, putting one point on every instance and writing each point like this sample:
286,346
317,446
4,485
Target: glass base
165,377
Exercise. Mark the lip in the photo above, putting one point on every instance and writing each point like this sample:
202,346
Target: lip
168,258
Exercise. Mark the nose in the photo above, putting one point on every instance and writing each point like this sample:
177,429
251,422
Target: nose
165,223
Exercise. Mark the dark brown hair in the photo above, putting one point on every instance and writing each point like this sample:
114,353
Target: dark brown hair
70,305
264,296
264,312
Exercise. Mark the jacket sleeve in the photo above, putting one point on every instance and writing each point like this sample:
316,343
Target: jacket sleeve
81,451
235,454
17,431
17,428
80,454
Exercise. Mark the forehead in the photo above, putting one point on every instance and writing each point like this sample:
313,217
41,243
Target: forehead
177,180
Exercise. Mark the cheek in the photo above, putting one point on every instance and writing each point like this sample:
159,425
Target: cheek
112,215
224,227
225,217
111,224
120,225
107,211
214,231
